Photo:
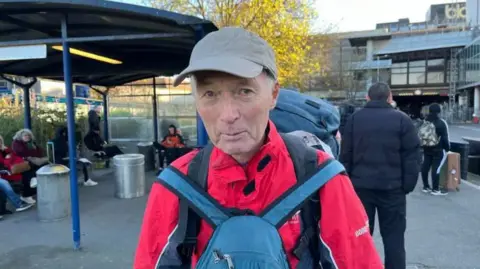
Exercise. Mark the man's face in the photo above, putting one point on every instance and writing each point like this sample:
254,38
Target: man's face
235,110
98,110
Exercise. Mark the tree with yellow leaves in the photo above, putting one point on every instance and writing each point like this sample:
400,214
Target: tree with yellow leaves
285,24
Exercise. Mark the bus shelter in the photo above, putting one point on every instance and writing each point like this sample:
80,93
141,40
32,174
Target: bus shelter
98,43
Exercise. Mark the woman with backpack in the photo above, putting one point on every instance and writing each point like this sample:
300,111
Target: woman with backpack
434,140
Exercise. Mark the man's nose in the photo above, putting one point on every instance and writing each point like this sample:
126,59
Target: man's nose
229,110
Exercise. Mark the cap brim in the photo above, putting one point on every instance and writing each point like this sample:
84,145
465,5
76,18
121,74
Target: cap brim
231,65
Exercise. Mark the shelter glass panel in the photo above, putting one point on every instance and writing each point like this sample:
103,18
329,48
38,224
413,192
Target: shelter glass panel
131,118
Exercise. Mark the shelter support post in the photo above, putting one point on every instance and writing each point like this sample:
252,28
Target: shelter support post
67,74
104,95
155,111
202,136
27,120
106,134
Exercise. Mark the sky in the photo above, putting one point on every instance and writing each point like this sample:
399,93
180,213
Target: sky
356,15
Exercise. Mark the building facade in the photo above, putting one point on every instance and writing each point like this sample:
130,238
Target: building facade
419,60
468,77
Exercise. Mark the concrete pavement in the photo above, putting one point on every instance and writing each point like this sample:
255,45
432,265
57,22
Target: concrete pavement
443,232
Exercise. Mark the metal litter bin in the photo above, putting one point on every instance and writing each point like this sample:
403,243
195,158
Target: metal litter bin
53,192
147,150
129,175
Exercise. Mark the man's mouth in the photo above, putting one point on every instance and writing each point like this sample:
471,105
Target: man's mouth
233,134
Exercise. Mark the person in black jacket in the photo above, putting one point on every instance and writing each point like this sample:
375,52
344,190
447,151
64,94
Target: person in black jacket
60,145
381,153
433,155
94,120
346,111
93,141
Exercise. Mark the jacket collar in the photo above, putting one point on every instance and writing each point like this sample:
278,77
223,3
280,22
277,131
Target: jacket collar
378,104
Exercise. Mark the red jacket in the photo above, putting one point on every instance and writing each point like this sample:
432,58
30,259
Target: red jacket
7,163
344,223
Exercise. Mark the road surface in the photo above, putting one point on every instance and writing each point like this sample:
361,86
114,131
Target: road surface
457,131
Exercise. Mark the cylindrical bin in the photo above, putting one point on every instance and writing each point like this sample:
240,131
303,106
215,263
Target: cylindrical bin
146,149
53,192
129,175
463,149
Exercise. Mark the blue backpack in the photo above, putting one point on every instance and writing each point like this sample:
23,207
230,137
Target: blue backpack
296,111
241,239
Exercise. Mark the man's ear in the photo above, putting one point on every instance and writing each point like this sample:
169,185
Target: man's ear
275,93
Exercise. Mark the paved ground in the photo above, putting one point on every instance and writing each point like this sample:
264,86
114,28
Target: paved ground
443,232
109,228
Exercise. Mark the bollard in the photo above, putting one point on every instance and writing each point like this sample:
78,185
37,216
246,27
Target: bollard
129,175
53,192
147,150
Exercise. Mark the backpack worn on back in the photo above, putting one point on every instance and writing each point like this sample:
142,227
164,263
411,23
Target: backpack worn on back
227,247
295,111
428,134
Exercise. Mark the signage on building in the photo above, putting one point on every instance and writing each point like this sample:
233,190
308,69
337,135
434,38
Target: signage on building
420,91
456,11
447,13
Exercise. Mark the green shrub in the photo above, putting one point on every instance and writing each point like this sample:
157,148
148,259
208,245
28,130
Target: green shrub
44,123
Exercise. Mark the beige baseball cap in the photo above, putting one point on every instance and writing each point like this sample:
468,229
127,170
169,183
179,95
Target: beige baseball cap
231,50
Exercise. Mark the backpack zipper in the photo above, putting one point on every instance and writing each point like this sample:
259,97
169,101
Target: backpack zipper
218,256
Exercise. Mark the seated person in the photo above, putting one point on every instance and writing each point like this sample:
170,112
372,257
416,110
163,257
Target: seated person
7,160
94,142
60,144
6,191
24,147
172,144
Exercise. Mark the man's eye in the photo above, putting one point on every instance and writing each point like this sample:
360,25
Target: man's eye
209,94
246,91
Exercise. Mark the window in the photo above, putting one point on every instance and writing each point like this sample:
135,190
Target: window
416,72
436,71
435,77
399,74
399,79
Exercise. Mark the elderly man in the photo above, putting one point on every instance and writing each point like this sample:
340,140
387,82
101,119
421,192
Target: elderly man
234,80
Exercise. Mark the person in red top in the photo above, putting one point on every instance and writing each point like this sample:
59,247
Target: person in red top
25,147
234,82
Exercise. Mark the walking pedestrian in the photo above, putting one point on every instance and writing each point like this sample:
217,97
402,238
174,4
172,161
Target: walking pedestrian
381,151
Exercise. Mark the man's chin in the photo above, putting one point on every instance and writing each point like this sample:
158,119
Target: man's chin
237,148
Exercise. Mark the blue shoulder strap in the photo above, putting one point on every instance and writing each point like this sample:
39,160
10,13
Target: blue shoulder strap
292,200
198,200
